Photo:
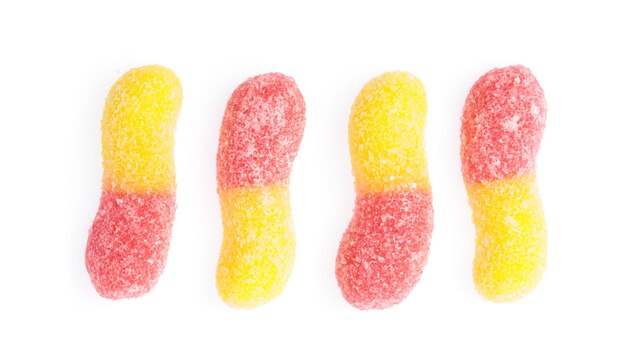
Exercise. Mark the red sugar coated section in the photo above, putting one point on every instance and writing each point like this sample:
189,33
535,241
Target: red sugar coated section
128,243
503,121
385,248
261,132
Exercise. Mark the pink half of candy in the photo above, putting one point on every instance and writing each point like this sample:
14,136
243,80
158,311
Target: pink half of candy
128,243
503,121
261,132
384,250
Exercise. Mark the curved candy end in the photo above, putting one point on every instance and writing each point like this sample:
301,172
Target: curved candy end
511,237
502,125
128,242
386,132
138,127
385,248
261,132
258,249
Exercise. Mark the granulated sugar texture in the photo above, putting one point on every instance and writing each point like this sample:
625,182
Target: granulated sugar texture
503,121
384,250
129,239
259,139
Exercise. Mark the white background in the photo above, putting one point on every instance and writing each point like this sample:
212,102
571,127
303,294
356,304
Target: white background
59,59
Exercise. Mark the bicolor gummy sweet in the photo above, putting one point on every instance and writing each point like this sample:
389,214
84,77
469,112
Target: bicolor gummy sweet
502,126
383,252
129,239
259,139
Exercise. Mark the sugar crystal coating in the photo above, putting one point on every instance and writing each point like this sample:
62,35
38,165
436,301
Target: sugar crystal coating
259,244
385,247
259,139
138,127
261,132
510,237
502,125
128,243
129,238
387,134
503,121
382,253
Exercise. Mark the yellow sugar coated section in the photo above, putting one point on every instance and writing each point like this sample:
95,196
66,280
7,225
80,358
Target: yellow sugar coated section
259,245
511,237
386,134
138,127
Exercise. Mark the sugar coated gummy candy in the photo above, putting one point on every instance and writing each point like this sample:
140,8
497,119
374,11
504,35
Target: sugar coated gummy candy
129,239
502,125
386,245
259,139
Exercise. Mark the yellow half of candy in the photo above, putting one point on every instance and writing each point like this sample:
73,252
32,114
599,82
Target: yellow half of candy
259,244
511,237
138,131
386,134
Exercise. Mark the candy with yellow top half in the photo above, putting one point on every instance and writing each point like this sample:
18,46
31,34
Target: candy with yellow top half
384,250
502,126
259,139
129,239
